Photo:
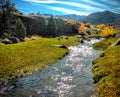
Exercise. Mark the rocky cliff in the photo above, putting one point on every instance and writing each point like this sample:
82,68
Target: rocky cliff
37,25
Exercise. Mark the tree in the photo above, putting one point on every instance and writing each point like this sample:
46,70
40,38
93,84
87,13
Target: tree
38,13
107,31
7,11
52,26
101,26
2,16
81,28
31,14
20,29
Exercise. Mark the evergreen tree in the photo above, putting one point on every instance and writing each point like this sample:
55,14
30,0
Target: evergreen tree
52,26
2,16
20,29
38,13
31,14
7,17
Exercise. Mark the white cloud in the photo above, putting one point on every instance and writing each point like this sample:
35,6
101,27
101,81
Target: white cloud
67,11
79,5
94,3
118,8
112,2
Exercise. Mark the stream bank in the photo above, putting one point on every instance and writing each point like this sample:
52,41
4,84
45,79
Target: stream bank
106,68
69,77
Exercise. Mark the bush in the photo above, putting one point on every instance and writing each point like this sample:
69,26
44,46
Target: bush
101,26
107,31
81,28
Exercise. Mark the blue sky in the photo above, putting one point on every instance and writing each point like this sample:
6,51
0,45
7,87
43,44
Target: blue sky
62,7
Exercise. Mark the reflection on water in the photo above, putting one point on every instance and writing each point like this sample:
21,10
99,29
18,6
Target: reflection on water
69,77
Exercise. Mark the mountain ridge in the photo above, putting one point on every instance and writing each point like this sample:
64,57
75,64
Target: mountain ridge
106,17
72,17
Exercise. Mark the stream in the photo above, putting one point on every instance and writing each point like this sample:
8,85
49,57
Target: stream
69,77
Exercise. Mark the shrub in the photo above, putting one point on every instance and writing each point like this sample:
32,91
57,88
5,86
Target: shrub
81,28
107,31
101,26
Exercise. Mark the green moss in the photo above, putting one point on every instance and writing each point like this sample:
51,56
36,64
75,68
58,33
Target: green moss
106,72
104,44
26,57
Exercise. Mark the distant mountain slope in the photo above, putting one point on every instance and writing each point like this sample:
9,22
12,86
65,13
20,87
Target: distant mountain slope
105,17
72,17
116,23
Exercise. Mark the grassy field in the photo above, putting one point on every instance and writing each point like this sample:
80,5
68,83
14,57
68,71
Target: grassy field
26,57
106,69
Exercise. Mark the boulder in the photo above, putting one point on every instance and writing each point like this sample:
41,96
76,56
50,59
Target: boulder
97,37
79,36
60,46
102,54
66,38
88,39
6,41
14,39
81,41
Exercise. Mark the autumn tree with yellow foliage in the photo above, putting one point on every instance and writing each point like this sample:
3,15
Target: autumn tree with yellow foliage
81,28
107,31
101,26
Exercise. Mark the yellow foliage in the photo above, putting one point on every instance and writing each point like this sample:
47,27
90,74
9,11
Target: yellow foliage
68,21
101,26
107,31
81,28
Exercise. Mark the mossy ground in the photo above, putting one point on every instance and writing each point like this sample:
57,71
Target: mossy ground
106,69
104,44
26,57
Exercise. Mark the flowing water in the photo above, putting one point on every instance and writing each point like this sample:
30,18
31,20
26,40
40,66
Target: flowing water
69,77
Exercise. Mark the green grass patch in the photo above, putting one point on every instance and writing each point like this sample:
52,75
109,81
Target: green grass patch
26,57
106,72
104,44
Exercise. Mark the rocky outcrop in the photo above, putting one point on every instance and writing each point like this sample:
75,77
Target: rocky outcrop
65,28
37,25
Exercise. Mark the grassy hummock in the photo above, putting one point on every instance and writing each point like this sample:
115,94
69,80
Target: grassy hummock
26,57
106,69
104,44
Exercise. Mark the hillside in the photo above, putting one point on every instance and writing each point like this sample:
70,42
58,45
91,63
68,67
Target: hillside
72,17
105,17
